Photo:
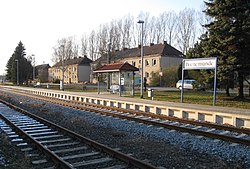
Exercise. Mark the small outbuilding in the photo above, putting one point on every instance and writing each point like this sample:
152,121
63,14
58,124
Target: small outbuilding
120,76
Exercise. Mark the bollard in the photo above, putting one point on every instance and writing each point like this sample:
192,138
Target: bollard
150,93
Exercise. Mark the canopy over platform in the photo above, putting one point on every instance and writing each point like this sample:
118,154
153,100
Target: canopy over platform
121,68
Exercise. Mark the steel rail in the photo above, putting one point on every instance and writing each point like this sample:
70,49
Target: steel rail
114,153
152,115
56,159
169,126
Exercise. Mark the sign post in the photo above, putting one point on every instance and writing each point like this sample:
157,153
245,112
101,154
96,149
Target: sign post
200,63
160,74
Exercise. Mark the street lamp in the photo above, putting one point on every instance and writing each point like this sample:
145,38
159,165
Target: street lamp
62,62
108,62
17,69
33,64
142,79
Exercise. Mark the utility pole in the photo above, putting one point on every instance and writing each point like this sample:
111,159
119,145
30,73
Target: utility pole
33,64
62,62
142,78
108,62
17,69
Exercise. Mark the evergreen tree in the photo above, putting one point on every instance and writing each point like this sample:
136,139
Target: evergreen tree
230,31
228,38
24,66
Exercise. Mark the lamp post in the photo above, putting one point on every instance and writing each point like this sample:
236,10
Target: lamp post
142,79
17,70
33,64
62,62
108,62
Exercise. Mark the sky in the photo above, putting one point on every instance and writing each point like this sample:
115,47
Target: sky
40,23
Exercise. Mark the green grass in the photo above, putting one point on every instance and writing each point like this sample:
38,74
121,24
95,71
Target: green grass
193,97
200,97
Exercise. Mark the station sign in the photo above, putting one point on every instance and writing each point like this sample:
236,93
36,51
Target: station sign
201,63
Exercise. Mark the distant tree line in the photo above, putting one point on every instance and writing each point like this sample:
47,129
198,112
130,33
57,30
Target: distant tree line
177,29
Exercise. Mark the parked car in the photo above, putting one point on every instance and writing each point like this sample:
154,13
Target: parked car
188,84
38,84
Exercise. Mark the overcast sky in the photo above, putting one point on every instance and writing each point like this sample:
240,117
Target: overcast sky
40,23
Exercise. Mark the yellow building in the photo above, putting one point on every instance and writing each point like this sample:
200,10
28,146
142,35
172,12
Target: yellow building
156,57
76,70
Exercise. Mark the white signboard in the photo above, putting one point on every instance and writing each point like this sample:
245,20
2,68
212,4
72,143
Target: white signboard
122,81
202,63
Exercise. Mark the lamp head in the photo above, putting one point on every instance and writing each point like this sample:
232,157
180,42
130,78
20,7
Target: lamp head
140,21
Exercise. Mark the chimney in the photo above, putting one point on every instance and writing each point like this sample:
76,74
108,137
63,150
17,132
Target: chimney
151,44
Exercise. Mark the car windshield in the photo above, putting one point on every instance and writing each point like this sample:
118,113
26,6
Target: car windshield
187,81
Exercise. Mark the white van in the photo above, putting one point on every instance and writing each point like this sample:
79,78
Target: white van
188,84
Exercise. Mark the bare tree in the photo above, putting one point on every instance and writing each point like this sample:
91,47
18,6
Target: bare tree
93,45
126,31
84,45
170,22
65,49
151,30
102,36
159,27
177,30
186,29
145,18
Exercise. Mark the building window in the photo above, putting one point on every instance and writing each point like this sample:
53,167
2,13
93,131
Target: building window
133,63
139,61
153,62
147,62
147,74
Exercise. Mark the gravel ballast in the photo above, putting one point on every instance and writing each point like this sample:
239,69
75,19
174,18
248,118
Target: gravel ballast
159,146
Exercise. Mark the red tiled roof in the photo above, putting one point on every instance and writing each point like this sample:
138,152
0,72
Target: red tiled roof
116,67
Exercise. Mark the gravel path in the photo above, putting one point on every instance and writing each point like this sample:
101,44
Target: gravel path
161,147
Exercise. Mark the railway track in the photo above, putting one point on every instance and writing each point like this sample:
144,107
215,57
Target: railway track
59,147
215,131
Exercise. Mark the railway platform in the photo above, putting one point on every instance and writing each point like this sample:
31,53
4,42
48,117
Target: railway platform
214,114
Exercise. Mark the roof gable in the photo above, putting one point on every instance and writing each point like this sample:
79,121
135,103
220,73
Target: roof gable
116,67
43,66
79,61
161,49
